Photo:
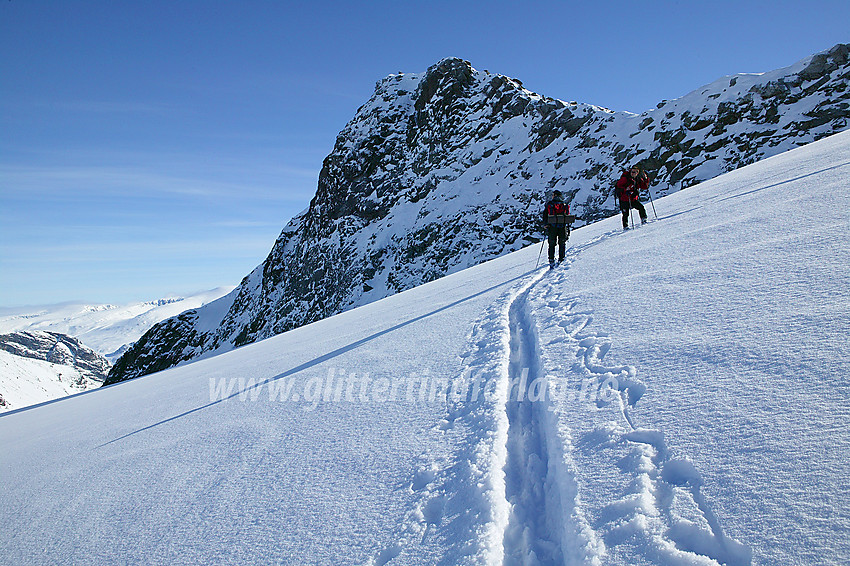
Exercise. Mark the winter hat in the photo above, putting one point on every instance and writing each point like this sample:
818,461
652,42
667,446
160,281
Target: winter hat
556,193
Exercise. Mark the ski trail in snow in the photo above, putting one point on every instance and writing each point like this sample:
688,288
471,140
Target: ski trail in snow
511,483
651,504
458,502
495,484
532,535
545,523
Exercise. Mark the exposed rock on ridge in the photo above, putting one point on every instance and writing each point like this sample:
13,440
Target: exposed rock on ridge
59,349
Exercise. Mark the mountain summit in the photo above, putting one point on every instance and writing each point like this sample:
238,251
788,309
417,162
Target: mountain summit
449,168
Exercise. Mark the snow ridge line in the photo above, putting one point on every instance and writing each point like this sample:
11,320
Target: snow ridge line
646,507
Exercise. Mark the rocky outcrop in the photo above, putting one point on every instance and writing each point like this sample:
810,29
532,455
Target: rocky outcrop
443,170
58,349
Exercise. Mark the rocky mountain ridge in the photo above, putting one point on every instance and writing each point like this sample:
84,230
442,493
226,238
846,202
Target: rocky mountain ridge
442,170
56,348
38,366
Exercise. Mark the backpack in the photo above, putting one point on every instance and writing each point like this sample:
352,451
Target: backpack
556,212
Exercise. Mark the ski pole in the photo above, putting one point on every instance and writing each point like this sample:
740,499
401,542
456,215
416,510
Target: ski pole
650,201
543,243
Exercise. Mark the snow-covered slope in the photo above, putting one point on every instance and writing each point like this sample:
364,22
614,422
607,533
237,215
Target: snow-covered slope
676,394
442,170
103,327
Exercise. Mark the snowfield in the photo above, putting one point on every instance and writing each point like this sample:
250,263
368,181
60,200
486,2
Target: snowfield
675,394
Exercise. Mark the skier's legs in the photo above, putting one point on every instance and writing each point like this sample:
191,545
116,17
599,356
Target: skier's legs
641,210
624,208
562,243
552,234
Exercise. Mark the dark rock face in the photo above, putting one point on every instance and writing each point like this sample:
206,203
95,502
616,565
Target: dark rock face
443,170
58,349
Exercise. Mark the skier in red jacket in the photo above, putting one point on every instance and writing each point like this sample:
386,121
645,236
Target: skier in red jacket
628,190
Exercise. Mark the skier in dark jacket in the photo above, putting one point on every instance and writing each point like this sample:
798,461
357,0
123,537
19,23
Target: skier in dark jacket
557,226
628,191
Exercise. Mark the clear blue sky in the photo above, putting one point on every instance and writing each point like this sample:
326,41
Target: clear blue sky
156,147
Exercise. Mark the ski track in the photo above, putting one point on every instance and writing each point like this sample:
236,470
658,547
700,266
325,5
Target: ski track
463,494
532,535
514,481
648,517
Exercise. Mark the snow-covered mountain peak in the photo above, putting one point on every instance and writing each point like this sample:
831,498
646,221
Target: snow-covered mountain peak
445,169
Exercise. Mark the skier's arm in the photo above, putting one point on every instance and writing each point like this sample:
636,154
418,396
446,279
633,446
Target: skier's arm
622,183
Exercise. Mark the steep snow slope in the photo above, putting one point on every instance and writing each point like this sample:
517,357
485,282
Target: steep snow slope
445,169
676,394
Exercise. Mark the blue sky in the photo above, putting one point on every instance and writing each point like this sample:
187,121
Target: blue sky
158,147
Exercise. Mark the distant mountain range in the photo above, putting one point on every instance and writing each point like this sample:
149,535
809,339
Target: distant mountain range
446,169
108,329
52,351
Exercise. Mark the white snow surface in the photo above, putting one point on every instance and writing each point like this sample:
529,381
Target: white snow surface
103,327
687,402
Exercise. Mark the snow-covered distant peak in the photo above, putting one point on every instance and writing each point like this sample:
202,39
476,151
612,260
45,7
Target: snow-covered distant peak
104,327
